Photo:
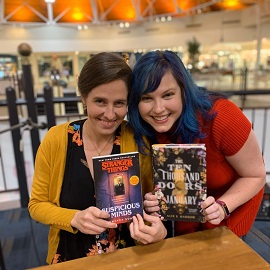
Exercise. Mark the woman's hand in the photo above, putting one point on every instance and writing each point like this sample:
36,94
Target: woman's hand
213,212
144,233
151,204
92,221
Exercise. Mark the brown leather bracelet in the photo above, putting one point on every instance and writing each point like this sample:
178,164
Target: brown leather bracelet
224,207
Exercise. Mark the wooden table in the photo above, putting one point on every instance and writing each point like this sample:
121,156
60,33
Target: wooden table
211,249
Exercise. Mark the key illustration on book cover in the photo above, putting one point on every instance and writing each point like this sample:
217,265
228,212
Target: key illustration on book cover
118,185
180,180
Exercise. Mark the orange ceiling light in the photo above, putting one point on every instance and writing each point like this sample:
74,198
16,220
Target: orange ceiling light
71,11
25,15
185,5
130,14
108,11
22,11
77,14
128,10
120,10
232,4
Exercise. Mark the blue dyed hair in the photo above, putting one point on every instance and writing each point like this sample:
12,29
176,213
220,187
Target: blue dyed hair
146,78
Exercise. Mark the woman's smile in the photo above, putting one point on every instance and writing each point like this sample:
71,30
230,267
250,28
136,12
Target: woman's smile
162,107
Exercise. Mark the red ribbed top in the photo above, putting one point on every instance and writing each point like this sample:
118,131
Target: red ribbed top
226,135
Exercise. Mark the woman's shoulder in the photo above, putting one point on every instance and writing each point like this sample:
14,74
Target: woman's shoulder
59,132
223,103
230,128
226,110
58,129
126,129
65,126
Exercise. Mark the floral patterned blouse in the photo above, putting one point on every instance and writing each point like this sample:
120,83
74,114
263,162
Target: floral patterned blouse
78,193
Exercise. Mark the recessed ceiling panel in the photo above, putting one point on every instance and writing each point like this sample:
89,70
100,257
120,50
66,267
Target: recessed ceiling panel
100,11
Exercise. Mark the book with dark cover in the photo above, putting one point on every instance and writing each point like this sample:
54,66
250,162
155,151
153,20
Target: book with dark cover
180,180
118,185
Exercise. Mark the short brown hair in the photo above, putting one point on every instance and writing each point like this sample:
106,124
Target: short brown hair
103,68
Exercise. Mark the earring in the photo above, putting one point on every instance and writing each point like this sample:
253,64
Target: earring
84,108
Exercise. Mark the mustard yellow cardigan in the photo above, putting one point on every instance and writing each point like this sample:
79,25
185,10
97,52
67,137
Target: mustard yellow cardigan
48,178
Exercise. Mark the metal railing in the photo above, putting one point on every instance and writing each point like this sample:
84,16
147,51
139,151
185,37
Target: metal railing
259,116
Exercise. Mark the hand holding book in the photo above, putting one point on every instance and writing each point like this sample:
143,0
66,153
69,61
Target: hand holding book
150,232
92,221
151,203
213,212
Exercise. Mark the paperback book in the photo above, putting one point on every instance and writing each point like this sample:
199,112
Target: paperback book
179,172
118,185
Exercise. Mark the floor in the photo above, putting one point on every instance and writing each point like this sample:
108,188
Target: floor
23,241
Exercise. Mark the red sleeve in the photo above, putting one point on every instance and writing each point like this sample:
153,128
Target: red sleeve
231,127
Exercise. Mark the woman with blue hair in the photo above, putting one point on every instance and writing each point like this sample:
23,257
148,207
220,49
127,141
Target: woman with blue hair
166,106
